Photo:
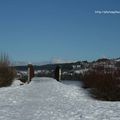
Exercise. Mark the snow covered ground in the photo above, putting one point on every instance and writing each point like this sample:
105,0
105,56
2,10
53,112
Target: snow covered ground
47,99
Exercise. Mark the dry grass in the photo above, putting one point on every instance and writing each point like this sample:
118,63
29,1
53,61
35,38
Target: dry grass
103,86
7,73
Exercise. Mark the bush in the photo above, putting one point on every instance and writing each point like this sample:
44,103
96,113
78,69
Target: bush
103,86
7,73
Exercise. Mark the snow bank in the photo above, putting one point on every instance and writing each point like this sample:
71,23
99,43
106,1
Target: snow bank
47,99
16,83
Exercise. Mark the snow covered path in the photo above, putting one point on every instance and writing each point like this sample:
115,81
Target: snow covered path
47,99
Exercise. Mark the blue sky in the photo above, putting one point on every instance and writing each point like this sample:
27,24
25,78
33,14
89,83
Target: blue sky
42,30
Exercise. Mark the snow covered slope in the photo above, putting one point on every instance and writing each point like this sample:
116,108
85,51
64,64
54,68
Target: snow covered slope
47,99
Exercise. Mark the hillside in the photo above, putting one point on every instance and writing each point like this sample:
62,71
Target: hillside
73,65
64,66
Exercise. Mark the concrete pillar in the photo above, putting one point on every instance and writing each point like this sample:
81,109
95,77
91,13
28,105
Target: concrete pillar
58,73
30,72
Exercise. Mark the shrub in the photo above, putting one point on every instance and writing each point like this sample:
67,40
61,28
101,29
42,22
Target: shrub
103,86
7,73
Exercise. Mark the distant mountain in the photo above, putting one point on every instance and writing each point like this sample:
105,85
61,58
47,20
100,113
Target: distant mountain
60,61
117,59
21,63
103,60
47,66
51,65
53,61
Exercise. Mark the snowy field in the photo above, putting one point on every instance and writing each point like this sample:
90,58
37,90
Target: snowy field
47,99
